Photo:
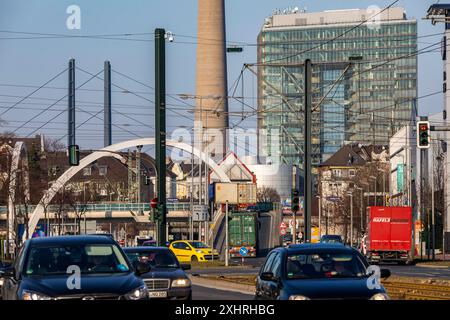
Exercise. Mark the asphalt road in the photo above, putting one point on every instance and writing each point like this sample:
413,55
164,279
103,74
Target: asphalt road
252,266
203,293
421,272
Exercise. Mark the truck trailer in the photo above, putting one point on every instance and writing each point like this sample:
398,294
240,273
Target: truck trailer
389,234
243,232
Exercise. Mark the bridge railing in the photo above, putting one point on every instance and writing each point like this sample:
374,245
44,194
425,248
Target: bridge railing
175,206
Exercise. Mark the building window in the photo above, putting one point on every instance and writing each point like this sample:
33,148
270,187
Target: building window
337,172
87,171
103,170
352,173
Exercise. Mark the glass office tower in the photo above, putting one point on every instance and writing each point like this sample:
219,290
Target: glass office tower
364,80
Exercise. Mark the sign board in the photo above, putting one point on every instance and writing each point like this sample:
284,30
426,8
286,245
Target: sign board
243,251
283,225
199,212
283,231
315,237
400,177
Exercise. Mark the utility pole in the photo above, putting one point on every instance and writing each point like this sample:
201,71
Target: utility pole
433,227
308,154
138,177
130,177
351,218
160,128
226,234
107,132
71,104
423,182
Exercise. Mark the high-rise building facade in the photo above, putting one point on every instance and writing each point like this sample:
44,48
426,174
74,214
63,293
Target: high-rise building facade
364,80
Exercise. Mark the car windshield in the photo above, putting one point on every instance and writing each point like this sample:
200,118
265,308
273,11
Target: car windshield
324,265
332,239
156,259
198,245
91,259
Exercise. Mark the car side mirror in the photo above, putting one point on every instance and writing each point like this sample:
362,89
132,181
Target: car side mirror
186,267
141,268
267,276
385,273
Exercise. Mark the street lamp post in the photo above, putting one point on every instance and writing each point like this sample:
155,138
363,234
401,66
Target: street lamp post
384,185
361,208
375,194
351,218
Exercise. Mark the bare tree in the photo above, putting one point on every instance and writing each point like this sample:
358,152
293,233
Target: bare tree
53,145
266,194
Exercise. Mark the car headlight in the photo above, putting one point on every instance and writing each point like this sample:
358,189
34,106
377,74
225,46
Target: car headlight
138,293
181,283
1,282
380,296
30,295
298,297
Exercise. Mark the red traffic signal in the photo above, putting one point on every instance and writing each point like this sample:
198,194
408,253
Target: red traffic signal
423,135
154,203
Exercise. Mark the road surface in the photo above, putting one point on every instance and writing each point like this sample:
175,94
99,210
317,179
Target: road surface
202,293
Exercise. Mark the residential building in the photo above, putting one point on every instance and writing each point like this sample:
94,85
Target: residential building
357,170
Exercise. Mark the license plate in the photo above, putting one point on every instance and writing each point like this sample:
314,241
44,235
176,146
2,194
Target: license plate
157,294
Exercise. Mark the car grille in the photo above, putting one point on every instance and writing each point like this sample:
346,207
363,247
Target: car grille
209,256
106,296
157,284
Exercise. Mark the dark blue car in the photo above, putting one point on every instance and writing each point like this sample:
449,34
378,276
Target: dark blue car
48,269
318,271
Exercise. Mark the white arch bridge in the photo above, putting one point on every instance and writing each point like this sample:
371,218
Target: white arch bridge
110,151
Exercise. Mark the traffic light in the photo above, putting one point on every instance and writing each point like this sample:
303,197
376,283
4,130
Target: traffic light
234,49
423,135
295,201
74,155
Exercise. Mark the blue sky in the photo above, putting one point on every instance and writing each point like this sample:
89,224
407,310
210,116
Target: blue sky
25,63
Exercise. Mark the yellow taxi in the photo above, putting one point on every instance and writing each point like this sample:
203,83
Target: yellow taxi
187,251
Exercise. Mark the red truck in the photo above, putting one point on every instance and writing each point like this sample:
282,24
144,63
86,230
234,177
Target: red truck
389,234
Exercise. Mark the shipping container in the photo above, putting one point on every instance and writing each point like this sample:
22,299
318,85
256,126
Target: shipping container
389,234
243,232
234,193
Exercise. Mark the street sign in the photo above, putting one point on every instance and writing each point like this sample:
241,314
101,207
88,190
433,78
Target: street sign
199,212
243,251
283,231
154,203
283,225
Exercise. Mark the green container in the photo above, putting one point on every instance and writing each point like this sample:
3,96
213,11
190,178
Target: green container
242,229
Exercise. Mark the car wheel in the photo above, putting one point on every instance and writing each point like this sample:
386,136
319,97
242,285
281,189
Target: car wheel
194,258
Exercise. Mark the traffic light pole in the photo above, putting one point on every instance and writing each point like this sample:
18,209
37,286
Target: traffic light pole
160,128
307,155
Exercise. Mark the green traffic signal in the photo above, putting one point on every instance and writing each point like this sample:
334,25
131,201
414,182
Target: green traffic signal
74,155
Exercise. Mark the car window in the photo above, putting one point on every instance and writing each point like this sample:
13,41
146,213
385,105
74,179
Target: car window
324,265
91,259
276,265
198,245
267,265
154,258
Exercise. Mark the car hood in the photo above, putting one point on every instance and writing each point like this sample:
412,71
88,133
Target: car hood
164,273
331,288
54,286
